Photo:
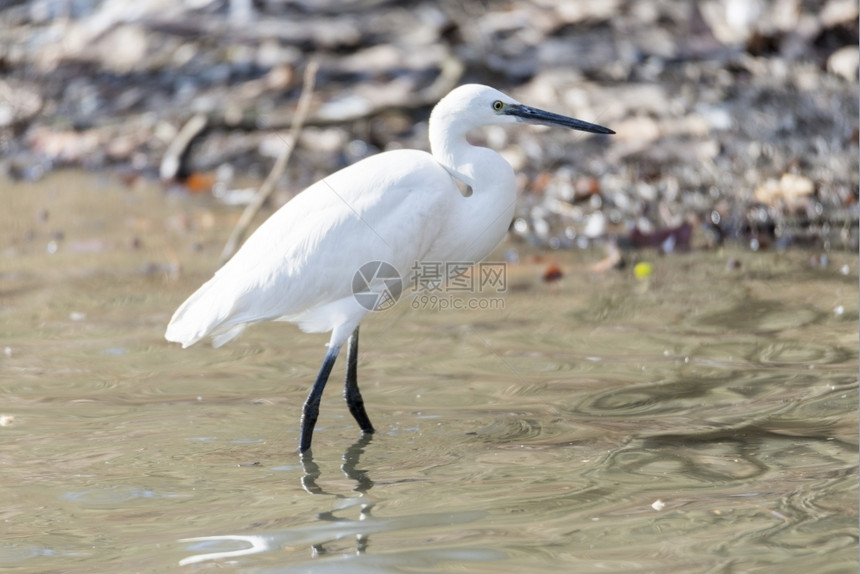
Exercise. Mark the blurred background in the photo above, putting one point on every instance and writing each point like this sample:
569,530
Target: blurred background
735,118
671,385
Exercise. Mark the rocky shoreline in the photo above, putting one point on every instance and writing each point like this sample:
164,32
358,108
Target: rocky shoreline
735,120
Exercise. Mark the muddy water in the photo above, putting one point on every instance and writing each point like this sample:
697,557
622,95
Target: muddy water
700,420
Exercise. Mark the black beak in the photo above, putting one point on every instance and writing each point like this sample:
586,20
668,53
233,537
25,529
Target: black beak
536,116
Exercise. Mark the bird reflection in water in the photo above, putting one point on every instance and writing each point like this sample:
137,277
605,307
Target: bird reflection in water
350,469
257,543
328,529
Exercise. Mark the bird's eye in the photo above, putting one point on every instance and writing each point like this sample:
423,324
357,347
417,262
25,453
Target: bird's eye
498,105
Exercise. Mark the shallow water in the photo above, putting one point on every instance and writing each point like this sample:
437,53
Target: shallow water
701,420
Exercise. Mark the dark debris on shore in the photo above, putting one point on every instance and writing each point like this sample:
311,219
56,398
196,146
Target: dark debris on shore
734,119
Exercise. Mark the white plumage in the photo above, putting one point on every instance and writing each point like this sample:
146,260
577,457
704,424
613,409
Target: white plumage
399,207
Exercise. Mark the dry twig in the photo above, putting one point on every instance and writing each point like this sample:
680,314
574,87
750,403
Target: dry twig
269,185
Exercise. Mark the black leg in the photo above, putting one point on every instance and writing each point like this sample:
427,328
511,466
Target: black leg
311,408
350,389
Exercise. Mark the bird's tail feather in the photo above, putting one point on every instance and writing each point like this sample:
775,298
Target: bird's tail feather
200,315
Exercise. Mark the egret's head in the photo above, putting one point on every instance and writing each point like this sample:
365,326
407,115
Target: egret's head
474,105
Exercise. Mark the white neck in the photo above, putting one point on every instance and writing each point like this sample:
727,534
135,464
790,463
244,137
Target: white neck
489,209
482,169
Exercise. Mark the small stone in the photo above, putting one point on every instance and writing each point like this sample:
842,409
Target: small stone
845,62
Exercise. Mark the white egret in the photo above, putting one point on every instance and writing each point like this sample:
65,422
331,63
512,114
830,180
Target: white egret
399,207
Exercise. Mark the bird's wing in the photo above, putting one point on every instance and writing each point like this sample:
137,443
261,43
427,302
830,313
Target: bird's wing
389,207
